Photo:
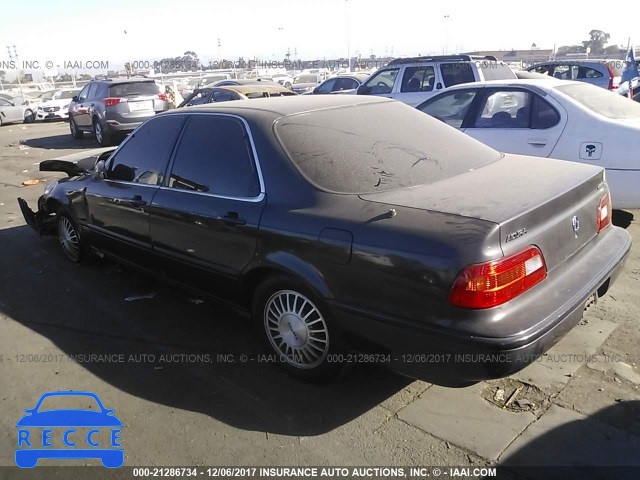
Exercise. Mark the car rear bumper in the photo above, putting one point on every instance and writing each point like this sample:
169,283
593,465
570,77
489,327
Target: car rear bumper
111,458
443,356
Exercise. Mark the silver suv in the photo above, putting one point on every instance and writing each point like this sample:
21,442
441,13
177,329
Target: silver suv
114,107
414,80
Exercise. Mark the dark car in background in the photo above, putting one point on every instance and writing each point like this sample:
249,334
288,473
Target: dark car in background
602,73
236,92
109,108
336,229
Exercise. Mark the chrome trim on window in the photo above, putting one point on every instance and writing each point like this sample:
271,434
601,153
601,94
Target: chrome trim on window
256,160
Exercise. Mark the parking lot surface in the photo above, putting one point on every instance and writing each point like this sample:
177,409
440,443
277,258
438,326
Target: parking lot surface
186,378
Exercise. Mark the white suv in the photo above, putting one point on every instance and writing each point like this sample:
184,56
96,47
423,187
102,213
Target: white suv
414,80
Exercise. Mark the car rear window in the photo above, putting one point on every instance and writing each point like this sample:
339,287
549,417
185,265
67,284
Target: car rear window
377,147
495,70
133,88
602,101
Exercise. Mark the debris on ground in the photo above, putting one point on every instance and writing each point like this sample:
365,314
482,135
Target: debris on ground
31,181
197,301
499,395
133,298
515,396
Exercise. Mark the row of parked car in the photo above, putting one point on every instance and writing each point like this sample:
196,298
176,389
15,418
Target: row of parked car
544,116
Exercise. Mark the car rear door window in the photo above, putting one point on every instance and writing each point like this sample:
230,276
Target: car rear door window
543,115
456,73
144,156
492,70
418,79
450,107
505,109
214,156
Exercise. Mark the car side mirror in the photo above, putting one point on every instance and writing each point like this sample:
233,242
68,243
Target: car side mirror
75,98
109,411
438,86
29,410
363,90
99,171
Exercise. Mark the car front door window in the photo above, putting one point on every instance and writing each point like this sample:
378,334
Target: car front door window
382,82
143,158
450,107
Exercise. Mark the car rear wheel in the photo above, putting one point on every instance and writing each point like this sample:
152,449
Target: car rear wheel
297,328
73,128
28,116
69,238
102,137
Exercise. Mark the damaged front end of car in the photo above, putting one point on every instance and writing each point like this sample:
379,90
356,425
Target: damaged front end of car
43,220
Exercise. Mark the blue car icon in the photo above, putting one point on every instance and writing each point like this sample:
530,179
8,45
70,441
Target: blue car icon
33,446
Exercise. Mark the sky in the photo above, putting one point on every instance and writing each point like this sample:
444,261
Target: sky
95,30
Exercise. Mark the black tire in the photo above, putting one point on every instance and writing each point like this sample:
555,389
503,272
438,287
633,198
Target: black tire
297,328
70,239
73,128
102,137
29,117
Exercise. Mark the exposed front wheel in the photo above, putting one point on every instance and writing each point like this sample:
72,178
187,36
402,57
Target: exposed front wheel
297,328
28,116
69,238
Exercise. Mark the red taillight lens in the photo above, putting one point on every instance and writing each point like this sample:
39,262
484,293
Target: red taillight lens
162,96
604,212
493,283
111,101
614,80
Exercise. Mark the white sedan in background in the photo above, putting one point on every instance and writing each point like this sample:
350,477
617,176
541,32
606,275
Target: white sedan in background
56,105
551,118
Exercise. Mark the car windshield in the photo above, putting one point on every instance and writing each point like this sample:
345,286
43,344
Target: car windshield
601,101
306,79
377,147
69,402
133,88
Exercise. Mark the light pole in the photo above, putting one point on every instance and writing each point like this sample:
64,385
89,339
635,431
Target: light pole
348,27
14,56
446,35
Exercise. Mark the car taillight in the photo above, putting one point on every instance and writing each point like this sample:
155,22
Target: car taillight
493,283
614,81
162,96
604,212
111,101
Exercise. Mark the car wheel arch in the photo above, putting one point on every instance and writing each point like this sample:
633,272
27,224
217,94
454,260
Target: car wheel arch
284,264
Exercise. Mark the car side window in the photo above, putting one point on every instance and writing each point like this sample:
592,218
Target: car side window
222,96
82,96
544,69
214,156
418,79
144,157
456,73
586,72
327,87
198,99
382,82
451,107
344,84
91,94
562,72
543,115
505,109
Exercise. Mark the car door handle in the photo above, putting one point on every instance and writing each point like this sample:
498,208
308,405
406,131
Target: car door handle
232,219
137,201
537,142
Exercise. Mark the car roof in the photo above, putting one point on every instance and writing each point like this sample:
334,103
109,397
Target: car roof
114,81
256,88
537,82
282,106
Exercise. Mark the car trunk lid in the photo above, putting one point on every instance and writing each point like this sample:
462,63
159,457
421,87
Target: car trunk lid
548,203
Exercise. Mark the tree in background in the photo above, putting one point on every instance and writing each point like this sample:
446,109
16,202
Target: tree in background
597,41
